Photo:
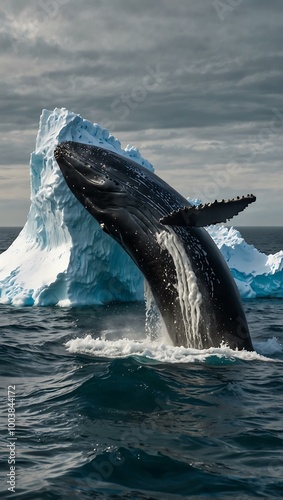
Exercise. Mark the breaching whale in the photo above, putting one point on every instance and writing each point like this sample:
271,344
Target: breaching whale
188,277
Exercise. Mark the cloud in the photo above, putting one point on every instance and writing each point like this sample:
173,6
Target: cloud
193,88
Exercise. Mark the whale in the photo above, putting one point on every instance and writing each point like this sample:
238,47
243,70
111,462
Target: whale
164,234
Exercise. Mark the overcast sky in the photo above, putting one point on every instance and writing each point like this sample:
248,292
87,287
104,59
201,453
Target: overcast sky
196,85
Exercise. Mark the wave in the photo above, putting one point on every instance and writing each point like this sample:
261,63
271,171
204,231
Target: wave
155,351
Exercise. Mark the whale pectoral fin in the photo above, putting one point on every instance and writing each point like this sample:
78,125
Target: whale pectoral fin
210,213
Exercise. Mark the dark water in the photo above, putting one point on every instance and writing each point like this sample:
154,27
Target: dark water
114,418
265,239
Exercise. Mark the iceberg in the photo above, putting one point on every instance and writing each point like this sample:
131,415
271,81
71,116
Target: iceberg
256,274
62,257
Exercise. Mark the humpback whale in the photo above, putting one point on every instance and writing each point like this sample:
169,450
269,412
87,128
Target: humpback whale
164,235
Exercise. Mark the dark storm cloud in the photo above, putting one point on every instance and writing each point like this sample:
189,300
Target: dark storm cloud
206,70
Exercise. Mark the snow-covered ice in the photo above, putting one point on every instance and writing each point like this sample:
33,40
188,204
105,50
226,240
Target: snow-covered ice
62,256
256,274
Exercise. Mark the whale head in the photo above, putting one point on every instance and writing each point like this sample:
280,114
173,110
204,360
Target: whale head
91,176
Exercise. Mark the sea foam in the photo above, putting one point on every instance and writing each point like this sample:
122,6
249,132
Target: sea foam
164,353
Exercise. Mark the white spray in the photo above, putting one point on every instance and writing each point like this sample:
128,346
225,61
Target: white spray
189,295
155,327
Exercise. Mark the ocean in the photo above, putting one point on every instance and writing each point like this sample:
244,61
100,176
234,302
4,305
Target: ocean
98,411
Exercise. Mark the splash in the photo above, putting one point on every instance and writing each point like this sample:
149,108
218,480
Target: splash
154,351
155,327
189,295
268,347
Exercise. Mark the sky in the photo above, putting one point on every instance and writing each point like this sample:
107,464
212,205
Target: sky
195,85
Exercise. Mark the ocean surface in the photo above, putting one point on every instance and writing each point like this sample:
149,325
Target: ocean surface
102,412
